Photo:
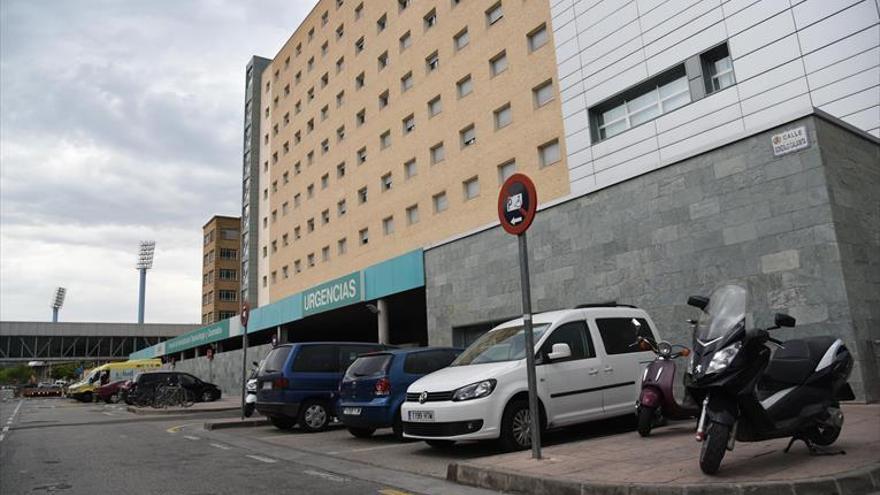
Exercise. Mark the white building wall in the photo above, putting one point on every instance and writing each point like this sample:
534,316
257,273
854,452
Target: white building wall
789,56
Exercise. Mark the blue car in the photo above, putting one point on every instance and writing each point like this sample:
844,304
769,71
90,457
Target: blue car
297,383
374,386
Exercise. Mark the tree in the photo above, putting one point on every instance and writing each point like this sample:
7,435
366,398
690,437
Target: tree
15,374
65,371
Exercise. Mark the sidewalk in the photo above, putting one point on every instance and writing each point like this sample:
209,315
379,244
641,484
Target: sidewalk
224,404
667,463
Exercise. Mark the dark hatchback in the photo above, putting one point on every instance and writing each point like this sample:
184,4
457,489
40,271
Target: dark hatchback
143,386
374,386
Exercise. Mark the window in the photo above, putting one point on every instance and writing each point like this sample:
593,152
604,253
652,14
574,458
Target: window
461,39
498,63
409,168
538,37
412,215
310,191
316,358
359,81
383,99
503,116
717,69
340,133
325,253
284,272
362,155
386,182
641,104
325,112
432,62
438,153
296,234
440,202
505,170
471,188
468,136
325,217
406,82
324,48
435,106
494,14
575,335
405,41
362,195
228,295
359,11
359,45
310,225
310,260
385,139
286,89
388,225
341,246
548,153
298,77
311,34
364,236
618,334
340,170
297,107
297,137
227,274
543,93
274,216
340,99
297,168
325,181
297,266
409,124
402,5
361,117
381,23
310,125
325,146
340,64
287,118
310,64
284,208
340,208
285,177
465,86
340,31
325,80
324,18
299,47
430,19
296,200
382,60
285,240
265,281
228,254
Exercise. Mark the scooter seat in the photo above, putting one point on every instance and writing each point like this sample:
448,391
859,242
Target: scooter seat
794,363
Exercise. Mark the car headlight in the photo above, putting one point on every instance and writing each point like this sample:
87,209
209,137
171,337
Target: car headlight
723,357
474,390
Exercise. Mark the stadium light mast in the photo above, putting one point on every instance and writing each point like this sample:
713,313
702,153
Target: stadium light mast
144,263
57,302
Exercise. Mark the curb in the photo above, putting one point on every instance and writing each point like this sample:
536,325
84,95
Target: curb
858,481
152,412
236,424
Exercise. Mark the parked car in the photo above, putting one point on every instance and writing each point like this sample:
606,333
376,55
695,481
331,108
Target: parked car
143,386
374,386
110,393
297,383
84,389
586,365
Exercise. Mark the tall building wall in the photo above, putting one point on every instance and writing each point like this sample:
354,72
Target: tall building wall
221,268
323,111
787,56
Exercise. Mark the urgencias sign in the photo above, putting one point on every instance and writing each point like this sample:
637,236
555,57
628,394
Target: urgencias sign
333,294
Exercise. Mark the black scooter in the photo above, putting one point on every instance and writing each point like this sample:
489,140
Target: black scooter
749,396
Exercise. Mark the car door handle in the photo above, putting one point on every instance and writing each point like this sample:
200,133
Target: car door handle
593,371
608,369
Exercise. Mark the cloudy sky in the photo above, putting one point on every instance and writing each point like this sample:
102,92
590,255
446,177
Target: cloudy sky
121,121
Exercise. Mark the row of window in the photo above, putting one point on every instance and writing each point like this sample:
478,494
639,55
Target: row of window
222,295
223,274
225,254
215,316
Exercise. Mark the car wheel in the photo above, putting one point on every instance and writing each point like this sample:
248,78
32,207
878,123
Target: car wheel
114,399
313,416
440,444
361,432
516,427
207,396
282,422
397,427
87,397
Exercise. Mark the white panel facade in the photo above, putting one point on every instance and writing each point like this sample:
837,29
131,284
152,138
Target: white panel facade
788,57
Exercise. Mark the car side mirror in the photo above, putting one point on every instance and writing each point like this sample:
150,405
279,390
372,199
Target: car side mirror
255,363
698,302
784,320
559,351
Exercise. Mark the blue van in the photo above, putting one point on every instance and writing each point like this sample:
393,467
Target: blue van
374,386
297,383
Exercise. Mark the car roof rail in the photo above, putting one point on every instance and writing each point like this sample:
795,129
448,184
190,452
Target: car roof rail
607,304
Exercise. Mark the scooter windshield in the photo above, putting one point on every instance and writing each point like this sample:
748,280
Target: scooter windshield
726,309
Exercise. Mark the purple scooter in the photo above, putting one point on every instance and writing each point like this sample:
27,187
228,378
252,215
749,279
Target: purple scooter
656,400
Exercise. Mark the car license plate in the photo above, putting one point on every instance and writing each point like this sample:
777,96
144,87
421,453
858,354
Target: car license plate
351,411
267,385
421,416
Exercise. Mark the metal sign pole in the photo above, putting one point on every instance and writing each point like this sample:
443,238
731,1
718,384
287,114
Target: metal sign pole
530,347
245,315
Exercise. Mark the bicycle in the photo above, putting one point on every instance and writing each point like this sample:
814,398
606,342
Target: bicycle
172,395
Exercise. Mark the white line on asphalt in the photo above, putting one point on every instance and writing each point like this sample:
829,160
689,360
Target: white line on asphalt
326,476
2,436
367,449
5,429
108,413
220,446
190,437
262,459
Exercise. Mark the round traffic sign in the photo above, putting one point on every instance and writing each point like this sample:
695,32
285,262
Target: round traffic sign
517,204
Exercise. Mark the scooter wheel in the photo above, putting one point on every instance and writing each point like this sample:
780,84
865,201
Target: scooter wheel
248,410
646,420
714,446
824,435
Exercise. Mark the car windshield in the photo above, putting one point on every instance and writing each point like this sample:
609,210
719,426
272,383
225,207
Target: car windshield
726,309
368,366
503,344
275,360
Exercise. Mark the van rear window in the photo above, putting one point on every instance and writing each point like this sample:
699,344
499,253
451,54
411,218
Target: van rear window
422,363
275,360
619,334
368,366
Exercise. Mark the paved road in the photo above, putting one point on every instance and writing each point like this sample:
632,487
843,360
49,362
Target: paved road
59,446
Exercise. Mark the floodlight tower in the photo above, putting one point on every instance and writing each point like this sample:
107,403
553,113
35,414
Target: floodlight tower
144,263
57,302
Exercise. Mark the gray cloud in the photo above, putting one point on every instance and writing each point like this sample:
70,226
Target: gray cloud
121,121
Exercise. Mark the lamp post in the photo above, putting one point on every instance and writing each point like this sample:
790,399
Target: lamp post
144,263
57,302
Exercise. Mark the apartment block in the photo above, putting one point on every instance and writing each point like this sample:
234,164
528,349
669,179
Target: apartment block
220,268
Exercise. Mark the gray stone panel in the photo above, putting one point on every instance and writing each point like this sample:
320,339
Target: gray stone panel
225,369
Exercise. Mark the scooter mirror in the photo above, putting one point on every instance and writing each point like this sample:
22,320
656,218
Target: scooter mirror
255,363
698,302
784,320
685,352
644,345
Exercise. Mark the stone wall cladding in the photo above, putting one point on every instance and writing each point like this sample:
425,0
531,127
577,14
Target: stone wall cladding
737,212
225,370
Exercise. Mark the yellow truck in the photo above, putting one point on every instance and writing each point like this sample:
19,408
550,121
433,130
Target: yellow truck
84,390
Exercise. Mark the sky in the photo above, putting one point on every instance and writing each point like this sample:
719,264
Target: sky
121,121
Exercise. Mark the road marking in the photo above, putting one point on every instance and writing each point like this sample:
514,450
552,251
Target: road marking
391,491
260,458
366,449
5,429
2,436
190,437
326,476
108,413
175,429
220,446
